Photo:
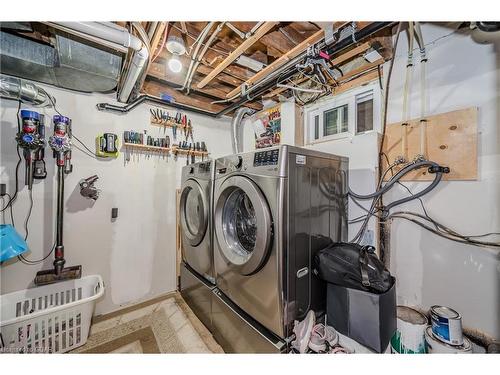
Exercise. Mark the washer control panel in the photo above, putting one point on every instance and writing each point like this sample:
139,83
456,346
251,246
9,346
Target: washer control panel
264,158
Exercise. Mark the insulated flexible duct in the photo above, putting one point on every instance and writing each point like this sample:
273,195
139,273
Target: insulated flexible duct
236,131
26,91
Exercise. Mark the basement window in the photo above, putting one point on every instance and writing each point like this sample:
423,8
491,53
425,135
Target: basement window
354,112
364,112
335,120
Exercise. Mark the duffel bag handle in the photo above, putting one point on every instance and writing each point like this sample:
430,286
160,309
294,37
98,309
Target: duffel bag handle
363,264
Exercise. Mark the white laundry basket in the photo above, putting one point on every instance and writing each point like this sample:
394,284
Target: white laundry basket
49,319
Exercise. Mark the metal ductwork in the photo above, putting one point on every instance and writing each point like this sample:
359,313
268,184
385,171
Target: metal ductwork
237,130
81,56
117,35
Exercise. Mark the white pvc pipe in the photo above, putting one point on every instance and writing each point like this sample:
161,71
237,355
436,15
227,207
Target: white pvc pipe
423,61
407,89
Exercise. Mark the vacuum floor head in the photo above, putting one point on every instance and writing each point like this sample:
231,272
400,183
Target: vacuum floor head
50,276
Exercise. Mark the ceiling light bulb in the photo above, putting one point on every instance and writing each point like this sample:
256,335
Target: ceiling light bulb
174,64
176,45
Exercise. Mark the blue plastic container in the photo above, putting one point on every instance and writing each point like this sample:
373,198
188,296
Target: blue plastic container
11,243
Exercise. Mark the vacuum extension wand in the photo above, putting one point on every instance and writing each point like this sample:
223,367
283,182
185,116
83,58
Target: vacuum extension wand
60,143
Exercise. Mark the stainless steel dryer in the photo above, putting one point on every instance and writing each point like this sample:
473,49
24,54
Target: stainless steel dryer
273,209
196,218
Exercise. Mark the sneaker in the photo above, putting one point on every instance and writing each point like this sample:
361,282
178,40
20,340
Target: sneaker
317,343
340,350
331,336
303,331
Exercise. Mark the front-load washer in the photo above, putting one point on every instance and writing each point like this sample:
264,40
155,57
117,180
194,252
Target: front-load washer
273,210
196,218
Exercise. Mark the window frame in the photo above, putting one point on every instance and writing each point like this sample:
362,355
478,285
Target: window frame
331,102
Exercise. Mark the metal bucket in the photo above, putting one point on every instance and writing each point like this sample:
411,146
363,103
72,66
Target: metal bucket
447,325
436,346
409,337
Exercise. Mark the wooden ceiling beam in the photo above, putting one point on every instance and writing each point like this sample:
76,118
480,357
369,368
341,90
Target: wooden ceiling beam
216,90
156,89
261,31
156,39
294,52
351,53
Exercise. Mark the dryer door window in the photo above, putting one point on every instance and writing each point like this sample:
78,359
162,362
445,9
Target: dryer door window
194,212
243,224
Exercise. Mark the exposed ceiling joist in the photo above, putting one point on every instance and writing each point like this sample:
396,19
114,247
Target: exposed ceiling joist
156,39
261,31
294,52
281,61
351,53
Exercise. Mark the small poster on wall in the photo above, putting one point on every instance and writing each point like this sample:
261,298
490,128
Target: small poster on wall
267,127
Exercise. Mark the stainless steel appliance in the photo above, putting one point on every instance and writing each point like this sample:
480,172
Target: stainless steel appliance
196,218
273,209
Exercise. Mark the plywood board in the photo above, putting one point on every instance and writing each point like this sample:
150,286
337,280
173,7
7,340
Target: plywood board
451,140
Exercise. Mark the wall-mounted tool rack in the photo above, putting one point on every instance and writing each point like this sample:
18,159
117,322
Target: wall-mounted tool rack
147,147
168,123
174,149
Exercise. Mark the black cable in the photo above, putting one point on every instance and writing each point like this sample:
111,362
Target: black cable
26,221
380,77
11,211
73,135
449,237
85,152
13,198
34,262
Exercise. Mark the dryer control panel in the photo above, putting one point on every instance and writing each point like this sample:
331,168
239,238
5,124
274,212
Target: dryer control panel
263,158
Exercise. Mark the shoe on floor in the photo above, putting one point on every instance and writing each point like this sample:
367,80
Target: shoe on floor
317,343
331,336
303,331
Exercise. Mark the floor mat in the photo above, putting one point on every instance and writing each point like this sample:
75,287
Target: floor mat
168,326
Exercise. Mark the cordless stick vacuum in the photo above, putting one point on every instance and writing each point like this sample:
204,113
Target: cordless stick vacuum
60,143
31,139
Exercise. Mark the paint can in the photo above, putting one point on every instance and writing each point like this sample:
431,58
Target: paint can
436,346
409,337
447,325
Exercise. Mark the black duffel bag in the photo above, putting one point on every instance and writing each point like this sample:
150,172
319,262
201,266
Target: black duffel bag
353,266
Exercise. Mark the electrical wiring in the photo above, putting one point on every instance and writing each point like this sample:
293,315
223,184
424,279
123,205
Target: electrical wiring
30,210
90,153
444,234
14,196
11,211
28,262
386,96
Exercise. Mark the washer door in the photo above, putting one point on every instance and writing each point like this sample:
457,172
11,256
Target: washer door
194,212
243,224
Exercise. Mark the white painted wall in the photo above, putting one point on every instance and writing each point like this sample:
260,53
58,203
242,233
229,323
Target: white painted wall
135,254
431,270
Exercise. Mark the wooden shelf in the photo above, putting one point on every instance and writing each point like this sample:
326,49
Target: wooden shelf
174,149
190,152
147,147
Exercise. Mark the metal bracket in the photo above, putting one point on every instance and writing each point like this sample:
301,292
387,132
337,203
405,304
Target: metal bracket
330,32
